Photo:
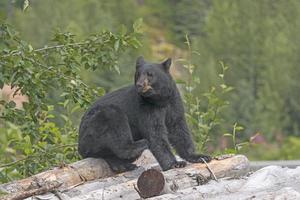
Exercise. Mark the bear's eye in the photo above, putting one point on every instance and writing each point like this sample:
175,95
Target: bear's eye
149,74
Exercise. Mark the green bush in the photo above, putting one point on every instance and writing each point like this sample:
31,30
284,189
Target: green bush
288,149
31,138
203,112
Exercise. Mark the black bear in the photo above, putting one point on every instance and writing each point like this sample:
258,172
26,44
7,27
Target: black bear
148,114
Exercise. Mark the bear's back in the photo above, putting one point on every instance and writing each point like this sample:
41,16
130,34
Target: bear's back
124,98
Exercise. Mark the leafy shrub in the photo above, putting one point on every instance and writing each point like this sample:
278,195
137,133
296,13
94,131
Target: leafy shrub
203,112
31,139
287,149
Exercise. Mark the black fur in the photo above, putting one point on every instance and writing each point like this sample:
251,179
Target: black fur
148,114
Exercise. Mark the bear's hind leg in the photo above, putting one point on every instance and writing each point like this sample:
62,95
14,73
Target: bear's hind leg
130,150
125,154
118,139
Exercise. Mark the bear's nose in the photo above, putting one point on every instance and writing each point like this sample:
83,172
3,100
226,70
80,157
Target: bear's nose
140,85
143,86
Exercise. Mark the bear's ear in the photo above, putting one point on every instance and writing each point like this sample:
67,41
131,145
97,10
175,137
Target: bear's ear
140,62
167,64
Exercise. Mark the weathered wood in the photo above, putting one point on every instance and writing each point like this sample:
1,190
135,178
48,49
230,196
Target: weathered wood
47,187
123,186
70,175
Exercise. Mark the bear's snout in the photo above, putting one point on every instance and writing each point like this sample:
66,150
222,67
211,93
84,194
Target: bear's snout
143,86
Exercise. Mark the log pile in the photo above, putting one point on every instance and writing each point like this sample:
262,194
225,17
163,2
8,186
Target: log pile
93,178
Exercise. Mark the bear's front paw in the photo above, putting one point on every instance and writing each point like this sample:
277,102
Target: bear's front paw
179,164
198,158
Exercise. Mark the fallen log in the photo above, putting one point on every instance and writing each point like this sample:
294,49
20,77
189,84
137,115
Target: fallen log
69,175
122,185
47,187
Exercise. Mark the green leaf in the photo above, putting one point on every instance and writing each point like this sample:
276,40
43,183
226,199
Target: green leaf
135,42
117,45
239,128
242,144
100,91
137,26
76,108
30,48
230,151
66,102
50,116
44,107
116,67
196,52
64,117
25,4
223,86
228,89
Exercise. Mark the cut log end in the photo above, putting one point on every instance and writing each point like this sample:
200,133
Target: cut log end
150,183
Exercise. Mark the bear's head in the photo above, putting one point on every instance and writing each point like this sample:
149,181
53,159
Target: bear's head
153,80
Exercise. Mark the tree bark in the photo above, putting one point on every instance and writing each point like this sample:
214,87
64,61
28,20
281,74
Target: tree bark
122,186
69,175
48,187
180,178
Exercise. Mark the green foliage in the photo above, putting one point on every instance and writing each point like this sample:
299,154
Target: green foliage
79,17
233,136
189,18
25,5
203,113
82,18
33,141
288,149
261,44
